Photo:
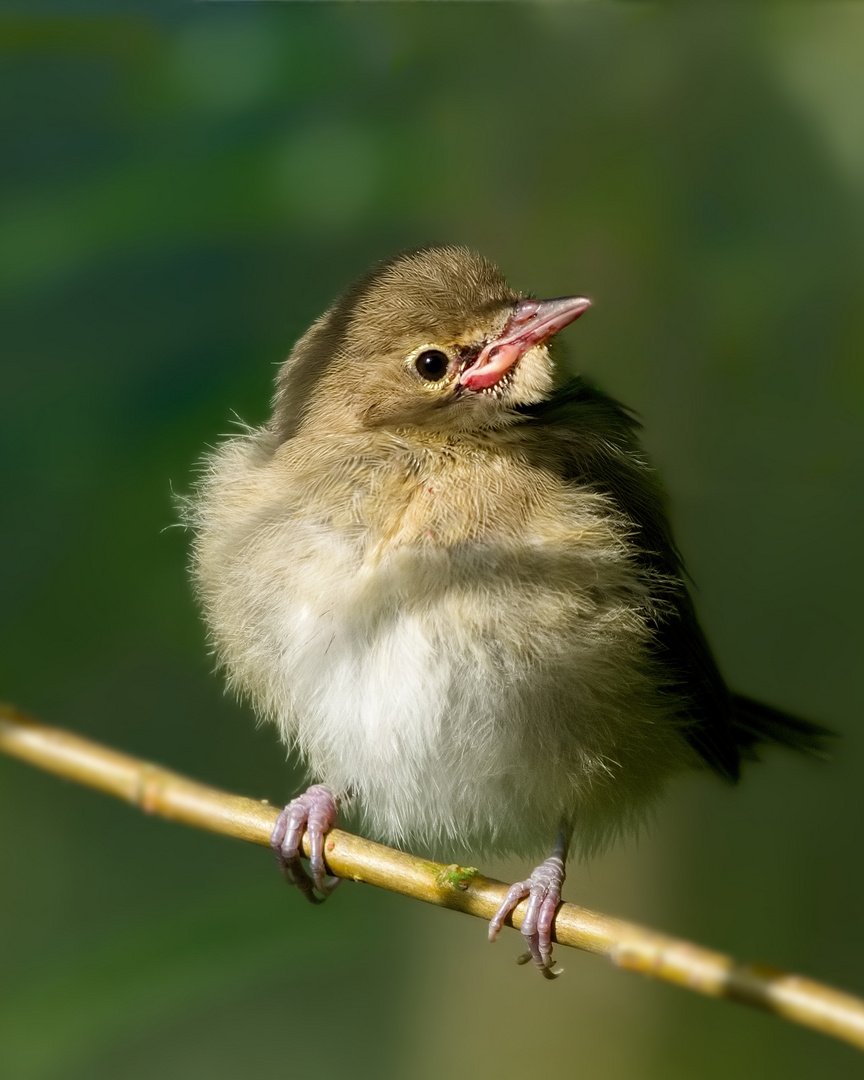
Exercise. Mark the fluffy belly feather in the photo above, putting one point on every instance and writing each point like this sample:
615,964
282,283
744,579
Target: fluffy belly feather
466,695
464,708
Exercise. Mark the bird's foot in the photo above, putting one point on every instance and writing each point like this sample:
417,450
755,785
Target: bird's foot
543,889
314,812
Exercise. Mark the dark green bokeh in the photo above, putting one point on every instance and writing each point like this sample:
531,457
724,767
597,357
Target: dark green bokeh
181,196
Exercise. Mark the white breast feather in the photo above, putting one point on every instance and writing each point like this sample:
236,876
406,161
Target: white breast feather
462,698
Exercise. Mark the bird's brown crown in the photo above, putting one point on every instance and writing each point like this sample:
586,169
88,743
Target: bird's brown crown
394,350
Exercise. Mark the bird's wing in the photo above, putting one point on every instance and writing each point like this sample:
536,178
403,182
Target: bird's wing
592,440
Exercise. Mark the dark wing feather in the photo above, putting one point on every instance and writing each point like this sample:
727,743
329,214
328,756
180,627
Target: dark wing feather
596,440
756,723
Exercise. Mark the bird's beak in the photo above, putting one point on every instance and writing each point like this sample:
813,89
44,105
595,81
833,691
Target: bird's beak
532,322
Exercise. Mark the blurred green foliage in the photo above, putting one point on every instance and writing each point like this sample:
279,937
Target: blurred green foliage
183,191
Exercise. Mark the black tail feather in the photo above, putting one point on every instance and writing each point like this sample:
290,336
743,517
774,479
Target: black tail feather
756,724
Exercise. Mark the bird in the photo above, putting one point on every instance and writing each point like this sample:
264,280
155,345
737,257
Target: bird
444,569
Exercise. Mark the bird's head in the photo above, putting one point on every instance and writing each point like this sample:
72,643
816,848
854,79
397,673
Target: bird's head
433,338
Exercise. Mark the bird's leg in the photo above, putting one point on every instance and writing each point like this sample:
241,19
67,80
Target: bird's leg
313,812
543,889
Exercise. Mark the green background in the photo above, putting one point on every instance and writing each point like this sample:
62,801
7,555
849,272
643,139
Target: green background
182,193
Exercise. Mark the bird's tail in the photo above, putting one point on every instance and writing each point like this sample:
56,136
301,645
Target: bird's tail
756,724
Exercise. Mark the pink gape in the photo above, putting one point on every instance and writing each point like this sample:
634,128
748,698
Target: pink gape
532,323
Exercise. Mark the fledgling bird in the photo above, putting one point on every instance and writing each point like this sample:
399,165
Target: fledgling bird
450,581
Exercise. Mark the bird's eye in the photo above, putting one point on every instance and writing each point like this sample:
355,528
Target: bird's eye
432,365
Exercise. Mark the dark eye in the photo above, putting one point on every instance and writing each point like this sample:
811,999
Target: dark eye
432,364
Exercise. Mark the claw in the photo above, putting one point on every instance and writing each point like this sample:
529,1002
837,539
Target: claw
543,890
314,812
